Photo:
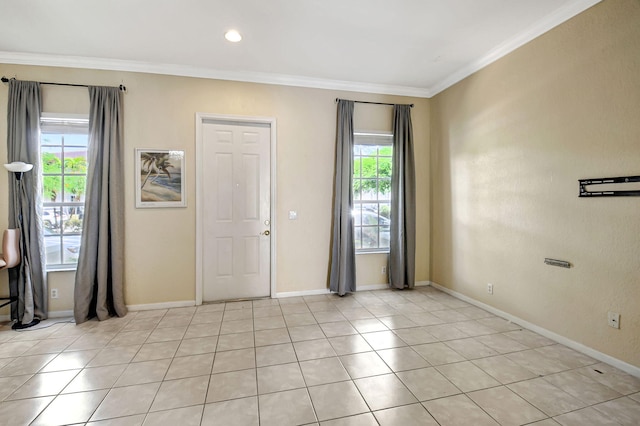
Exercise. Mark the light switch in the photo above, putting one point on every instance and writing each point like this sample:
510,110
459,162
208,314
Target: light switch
293,215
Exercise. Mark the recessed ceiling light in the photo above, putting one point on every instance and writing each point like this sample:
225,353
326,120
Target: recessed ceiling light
233,36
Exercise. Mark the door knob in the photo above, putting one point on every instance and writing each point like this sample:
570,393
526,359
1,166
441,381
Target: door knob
267,232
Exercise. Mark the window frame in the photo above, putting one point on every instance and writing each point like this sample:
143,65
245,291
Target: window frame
377,139
58,123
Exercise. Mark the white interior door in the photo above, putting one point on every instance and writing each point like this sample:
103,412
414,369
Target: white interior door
236,210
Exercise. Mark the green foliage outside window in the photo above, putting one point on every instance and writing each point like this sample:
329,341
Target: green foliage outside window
52,184
73,185
372,174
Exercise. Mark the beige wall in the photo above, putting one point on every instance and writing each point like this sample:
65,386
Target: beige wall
509,144
160,113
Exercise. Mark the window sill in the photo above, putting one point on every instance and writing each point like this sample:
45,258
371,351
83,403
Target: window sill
372,252
61,268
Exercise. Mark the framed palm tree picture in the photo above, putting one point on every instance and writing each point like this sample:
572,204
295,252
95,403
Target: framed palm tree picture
160,179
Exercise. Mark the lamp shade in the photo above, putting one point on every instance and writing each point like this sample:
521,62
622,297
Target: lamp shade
18,166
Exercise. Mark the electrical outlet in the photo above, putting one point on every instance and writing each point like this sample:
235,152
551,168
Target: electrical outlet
54,293
613,319
490,288
384,270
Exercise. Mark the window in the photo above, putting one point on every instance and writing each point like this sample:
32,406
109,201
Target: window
372,191
63,152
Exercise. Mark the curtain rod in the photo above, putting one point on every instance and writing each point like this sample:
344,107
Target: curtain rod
373,103
121,87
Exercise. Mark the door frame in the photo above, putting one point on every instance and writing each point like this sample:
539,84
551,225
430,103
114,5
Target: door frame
201,118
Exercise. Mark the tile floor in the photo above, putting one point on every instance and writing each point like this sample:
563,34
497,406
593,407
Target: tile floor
418,357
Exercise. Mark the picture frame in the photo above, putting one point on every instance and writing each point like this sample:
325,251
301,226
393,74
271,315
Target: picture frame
160,178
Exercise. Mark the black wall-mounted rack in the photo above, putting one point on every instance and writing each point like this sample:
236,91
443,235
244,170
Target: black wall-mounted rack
599,181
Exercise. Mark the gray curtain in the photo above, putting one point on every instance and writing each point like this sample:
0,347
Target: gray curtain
402,251
99,286
343,259
27,280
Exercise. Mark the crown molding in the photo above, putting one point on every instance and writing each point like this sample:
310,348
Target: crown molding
549,22
188,71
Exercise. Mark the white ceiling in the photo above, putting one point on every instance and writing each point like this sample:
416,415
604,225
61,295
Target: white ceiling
403,47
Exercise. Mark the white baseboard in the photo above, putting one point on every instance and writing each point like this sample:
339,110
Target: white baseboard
385,286
61,314
301,293
52,314
132,308
326,291
607,359
370,287
162,305
367,287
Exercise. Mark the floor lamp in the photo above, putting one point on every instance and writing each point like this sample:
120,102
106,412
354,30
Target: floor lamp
19,168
